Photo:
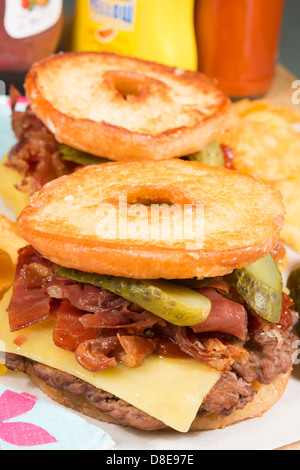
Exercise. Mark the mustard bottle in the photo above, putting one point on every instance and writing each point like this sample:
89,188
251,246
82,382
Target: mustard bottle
157,30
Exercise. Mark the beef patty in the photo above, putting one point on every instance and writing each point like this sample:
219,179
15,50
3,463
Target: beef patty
269,355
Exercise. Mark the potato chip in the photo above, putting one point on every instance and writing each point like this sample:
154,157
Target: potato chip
268,117
268,149
7,272
288,114
265,140
247,107
290,190
10,178
10,240
243,107
10,243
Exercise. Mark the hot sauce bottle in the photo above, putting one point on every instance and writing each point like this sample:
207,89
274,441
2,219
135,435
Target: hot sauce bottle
237,43
29,31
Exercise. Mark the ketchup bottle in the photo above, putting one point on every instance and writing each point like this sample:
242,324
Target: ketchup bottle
29,31
237,43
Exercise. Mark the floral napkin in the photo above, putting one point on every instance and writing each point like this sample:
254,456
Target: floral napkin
30,423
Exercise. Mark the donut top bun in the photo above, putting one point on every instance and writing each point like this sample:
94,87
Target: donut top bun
124,108
78,221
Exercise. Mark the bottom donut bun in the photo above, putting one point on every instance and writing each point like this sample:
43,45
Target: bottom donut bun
266,397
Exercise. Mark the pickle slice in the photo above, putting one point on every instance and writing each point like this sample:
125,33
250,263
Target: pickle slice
175,304
79,157
211,155
293,284
260,285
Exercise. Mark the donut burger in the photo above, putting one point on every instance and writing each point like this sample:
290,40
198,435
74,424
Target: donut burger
143,327
89,107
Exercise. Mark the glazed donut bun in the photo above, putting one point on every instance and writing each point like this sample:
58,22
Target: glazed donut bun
78,221
124,108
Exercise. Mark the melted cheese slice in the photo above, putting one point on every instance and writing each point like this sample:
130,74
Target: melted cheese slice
170,390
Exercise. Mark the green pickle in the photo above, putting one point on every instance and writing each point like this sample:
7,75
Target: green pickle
293,284
176,304
211,155
80,157
260,285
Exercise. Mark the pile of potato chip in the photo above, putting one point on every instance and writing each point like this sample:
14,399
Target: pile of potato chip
265,140
10,243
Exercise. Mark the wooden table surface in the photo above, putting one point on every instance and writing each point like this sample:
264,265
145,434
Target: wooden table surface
281,92
293,446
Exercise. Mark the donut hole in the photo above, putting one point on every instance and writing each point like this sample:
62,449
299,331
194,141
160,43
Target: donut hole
148,195
129,85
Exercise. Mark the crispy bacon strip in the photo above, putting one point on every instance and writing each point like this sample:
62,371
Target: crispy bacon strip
27,306
225,316
101,308
68,331
105,307
228,157
136,349
211,351
101,327
107,319
36,154
93,353
20,339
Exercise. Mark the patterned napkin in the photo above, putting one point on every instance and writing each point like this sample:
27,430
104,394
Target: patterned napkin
29,423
